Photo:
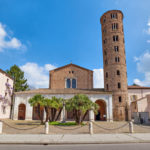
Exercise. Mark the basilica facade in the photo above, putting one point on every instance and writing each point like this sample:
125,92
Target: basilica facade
65,82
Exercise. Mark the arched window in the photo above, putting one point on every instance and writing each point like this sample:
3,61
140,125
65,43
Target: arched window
118,72
120,99
107,87
68,83
106,74
119,85
117,59
74,84
114,16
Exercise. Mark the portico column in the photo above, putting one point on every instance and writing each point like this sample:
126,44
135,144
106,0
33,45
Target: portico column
91,115
110,109
63,114
44,114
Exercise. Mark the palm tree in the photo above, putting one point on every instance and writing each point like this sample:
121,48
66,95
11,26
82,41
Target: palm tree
80,105
38,101
56,106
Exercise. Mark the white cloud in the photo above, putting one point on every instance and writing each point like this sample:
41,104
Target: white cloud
147,31
136,58
8,42
37,76
49,67
148,23
143,67
98,78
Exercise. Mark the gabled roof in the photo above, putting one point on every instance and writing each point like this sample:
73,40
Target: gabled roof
3,72
69,66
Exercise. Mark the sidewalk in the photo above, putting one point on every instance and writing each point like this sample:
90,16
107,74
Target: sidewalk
74,139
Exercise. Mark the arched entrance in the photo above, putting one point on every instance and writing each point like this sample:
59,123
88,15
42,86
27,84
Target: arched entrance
21,111
38,113
101,116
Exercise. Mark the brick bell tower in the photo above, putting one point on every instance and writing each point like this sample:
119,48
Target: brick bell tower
114,62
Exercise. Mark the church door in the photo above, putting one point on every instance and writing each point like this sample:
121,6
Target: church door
21,112
37,114
101,115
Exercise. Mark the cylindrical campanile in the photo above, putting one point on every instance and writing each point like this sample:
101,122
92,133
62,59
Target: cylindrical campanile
114,62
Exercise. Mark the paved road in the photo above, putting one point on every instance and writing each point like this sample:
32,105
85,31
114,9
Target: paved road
142,146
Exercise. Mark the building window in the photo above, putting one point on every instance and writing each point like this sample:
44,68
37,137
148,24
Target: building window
114,16
105,41
119,85
104,31
105,52
104,20
120,99
107,86
115,38
116,48
72,72
74,84
106,62
106,74
120,112
114,26
133,97
123,40
117,59
71,83
118,72
68,83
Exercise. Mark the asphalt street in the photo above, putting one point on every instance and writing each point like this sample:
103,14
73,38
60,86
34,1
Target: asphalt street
135,146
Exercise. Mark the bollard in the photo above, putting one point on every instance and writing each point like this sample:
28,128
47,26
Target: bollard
131,127
91,127
1,127
46,128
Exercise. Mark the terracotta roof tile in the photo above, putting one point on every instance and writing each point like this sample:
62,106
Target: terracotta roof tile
3,72
64,91
138,87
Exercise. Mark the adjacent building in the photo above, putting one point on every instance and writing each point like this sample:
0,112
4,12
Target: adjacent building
6,91
139,103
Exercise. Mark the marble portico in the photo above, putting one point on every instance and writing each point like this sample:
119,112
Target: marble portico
94,95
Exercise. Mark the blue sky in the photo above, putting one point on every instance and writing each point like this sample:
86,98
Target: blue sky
39,35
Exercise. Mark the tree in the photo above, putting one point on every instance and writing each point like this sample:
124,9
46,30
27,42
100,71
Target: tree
38,101
56,106
134,84
20,83
53,107
80,105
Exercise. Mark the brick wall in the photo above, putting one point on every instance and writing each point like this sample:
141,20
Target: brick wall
111,78
83,76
